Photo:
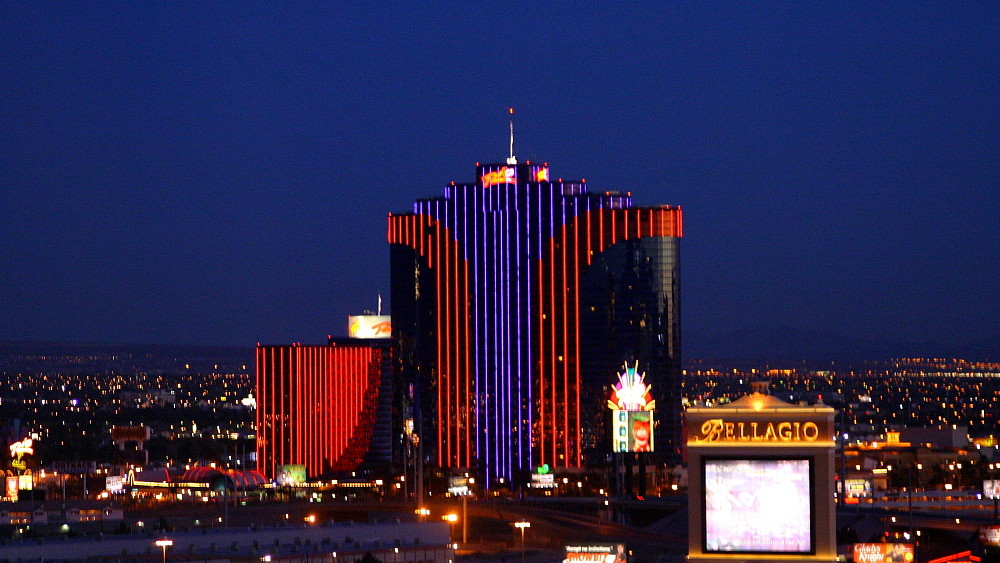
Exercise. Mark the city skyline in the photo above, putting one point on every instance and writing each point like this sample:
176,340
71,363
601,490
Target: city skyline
185,176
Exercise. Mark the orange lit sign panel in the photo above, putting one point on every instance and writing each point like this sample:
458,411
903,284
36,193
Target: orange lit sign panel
503,175
883,553
369,326
541,175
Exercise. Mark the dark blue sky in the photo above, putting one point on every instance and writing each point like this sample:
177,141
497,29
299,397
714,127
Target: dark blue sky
219,173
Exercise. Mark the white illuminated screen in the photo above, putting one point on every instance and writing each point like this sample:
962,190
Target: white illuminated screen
757,505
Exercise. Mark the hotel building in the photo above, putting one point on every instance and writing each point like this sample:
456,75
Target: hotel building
516,299
327,408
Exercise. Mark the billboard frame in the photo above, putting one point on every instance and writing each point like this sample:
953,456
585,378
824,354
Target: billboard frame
812,503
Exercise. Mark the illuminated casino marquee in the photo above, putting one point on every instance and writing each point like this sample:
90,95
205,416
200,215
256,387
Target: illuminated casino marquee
632,407
761,481
631,393
17,452
508,175
718,430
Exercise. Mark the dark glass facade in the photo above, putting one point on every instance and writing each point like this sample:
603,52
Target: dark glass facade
515,302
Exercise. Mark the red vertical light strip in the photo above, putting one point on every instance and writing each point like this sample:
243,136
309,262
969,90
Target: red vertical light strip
315,417
614,226
259,413
444,452
576,333
280,422
552,346
303,414
589,222
338,409
600,228
453,347
318,399
335,397
445,301
468,364
563,291
295,413
275,382
321,419
541,365
421,233
454,343
345,386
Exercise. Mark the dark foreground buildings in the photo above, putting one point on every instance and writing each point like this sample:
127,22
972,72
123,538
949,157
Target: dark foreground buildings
516,299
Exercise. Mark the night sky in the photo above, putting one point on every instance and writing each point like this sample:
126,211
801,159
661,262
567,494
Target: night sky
220,173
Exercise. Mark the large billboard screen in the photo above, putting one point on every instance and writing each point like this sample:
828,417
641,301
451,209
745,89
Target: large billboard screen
758,506
291,475
632,430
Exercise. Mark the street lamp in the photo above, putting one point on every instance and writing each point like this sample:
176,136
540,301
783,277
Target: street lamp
164,543
522,525
450,518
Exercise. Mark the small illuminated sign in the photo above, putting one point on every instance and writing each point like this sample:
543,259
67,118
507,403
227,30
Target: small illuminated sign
542,481
369,326
502,175
599,553
114,483
18,450
883,553
858,487
991,489
541,175
458,486
990,535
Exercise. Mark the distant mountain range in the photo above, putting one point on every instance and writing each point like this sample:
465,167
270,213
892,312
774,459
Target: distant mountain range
785,344
769,345
69,357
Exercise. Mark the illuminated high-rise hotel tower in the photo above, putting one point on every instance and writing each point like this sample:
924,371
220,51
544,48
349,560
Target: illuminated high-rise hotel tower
516,300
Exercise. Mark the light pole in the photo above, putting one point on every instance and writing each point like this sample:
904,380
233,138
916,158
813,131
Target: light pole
164,543
993,487
450,518
465,520
522,525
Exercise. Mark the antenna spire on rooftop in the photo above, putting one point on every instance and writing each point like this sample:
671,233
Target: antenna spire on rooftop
511,159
